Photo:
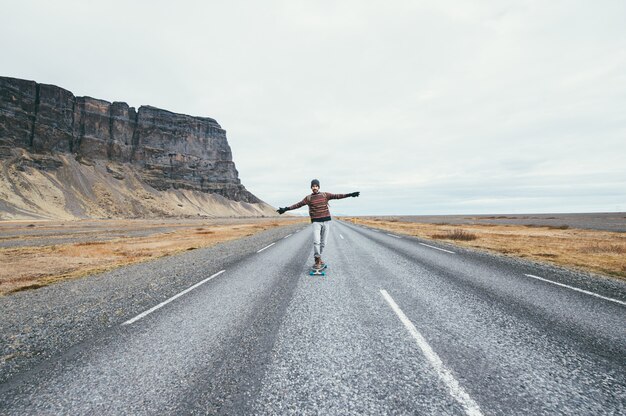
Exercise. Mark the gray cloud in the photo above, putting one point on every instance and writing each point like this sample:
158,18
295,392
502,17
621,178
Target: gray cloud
426,107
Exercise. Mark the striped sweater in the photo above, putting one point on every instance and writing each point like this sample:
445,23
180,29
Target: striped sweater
318,205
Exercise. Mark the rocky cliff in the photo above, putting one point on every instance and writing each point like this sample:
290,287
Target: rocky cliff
46,131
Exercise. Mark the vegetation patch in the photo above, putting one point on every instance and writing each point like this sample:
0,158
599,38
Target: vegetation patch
599,248
456,234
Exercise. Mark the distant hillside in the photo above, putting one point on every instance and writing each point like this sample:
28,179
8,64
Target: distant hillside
63,156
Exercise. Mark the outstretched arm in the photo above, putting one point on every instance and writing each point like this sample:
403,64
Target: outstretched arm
341,196
294,206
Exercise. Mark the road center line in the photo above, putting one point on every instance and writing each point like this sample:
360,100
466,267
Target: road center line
266,247
394,235
437,248
160,305
287,236
577,289
341,236
470,406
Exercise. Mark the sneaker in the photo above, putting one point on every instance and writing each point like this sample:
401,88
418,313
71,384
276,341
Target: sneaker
318,263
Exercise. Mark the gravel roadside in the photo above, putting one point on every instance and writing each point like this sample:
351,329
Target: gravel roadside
42,323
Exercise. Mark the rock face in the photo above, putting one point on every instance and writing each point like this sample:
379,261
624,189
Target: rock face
166,150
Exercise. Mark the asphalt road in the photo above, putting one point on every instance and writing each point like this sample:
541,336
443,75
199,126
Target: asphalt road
396,327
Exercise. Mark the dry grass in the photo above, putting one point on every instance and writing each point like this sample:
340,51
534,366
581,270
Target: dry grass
33,267
598,248
205,232
558,227
456,234
600,252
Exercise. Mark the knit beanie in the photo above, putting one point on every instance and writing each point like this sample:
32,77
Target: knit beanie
315,182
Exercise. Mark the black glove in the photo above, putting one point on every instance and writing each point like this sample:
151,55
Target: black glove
282,210
354,194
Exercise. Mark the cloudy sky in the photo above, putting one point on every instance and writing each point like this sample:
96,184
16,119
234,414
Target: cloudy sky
426,107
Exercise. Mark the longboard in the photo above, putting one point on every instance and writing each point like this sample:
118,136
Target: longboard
318,272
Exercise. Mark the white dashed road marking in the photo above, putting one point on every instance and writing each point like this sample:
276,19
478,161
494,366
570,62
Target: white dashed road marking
577,289
266,247
470,406
160,305
437,248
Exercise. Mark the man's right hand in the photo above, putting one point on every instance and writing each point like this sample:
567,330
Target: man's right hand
282,210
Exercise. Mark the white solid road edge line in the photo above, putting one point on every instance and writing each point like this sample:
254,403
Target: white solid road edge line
577,289
266,247
138,317
437,248
470,406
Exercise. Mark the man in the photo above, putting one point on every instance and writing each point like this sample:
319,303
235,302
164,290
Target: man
320,217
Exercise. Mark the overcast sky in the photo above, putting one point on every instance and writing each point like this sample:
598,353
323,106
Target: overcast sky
426,107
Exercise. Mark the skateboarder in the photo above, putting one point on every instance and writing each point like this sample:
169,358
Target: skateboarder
320,217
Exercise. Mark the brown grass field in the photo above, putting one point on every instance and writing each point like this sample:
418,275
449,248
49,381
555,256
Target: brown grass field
602,252
38,265
34,266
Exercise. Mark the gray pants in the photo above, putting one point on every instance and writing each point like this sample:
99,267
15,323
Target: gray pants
320,236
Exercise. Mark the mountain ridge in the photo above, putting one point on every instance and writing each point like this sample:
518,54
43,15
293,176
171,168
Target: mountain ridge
46,129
